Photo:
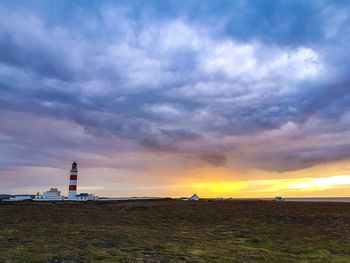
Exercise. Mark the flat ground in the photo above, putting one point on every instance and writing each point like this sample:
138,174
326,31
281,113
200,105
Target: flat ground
174,231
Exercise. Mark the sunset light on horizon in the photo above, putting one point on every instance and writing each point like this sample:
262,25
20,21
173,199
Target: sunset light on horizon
241,99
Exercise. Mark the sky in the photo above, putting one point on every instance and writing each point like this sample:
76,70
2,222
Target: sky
170,98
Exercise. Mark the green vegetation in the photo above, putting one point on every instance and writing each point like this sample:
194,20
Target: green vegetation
174,231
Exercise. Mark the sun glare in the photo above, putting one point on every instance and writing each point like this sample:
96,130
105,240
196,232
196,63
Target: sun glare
271,187
321,183
222,188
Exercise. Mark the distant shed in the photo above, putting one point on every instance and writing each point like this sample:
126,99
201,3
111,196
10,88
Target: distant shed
194,197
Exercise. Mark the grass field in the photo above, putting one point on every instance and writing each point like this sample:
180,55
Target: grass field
174,231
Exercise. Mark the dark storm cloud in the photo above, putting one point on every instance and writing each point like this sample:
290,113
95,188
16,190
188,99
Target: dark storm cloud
34,58
302,158
178,77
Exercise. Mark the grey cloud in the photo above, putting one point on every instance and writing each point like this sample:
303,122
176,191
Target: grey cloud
179,135
214,159
104,81
38,60
302,158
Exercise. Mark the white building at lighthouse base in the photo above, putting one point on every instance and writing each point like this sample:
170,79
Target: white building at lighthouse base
85,197
52,195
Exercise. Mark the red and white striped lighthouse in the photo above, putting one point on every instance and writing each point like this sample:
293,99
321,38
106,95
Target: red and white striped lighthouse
72,191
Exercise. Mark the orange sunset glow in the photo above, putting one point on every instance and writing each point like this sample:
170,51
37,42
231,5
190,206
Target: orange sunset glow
161,103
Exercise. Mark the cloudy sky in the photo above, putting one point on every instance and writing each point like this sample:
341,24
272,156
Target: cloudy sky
168,98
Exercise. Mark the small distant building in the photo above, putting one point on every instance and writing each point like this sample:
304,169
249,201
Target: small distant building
52,195
279,199
5,197
85,197
194,197
21,197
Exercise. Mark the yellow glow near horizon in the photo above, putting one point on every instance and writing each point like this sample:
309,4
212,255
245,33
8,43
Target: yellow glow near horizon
269,187
219,188
325,180
322,182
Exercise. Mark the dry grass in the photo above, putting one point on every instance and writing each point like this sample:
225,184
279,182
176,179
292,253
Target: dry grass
174,231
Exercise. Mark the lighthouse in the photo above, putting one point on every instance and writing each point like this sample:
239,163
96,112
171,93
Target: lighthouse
72,191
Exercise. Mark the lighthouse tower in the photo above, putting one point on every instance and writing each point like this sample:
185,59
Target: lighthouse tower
72,191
